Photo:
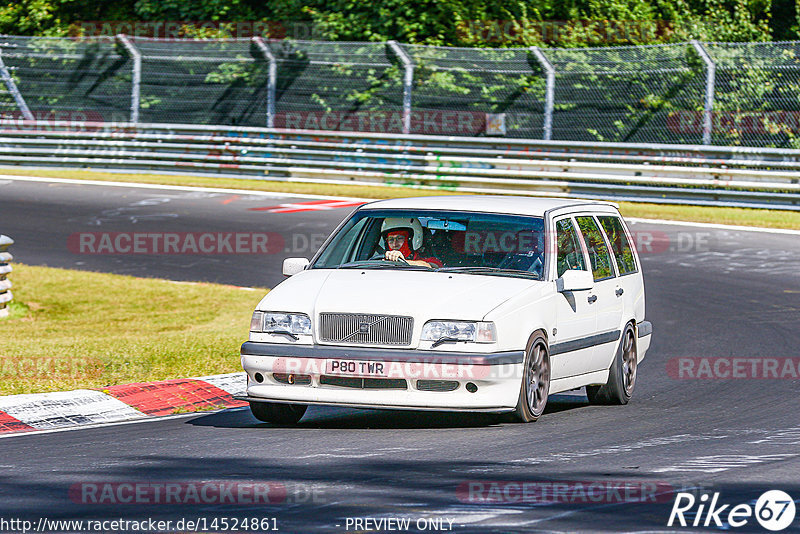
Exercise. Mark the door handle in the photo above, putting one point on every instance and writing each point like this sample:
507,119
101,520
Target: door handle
619,292
592,299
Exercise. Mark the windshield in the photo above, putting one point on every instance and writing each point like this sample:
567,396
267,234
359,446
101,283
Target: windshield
472,243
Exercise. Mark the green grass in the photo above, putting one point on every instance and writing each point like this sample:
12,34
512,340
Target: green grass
76,329
735,216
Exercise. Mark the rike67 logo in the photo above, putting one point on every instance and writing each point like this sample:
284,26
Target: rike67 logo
774,510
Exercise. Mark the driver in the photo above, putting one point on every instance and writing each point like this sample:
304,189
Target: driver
403,239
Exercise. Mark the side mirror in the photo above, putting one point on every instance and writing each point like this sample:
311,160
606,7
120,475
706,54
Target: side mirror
293,266
575,280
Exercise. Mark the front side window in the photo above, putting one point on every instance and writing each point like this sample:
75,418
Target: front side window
599,256
472,243
341,248
612,226
569,255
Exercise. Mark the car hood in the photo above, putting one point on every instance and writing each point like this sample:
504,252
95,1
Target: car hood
434,295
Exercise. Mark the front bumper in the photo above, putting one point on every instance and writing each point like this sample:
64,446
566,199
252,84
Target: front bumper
644,334
497,377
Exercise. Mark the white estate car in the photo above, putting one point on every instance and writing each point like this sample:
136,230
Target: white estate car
490,305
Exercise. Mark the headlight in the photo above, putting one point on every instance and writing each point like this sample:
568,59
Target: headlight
293,323
478,332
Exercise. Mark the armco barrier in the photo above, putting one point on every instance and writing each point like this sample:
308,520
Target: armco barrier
5,268
682,174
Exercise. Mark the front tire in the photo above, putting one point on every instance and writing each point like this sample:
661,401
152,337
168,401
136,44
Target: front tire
273,412
621,376
535,387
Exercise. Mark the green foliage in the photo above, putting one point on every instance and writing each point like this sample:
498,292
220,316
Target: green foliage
440,22
31,17
794,31
544,22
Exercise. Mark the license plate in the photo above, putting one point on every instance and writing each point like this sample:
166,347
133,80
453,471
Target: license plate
355,368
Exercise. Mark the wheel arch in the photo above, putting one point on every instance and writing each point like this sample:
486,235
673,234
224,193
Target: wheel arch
543,332
632,323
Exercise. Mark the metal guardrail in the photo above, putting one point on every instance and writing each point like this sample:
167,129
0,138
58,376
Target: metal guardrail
5,268
702,175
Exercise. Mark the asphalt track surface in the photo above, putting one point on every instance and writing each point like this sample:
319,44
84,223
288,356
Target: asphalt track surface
710,293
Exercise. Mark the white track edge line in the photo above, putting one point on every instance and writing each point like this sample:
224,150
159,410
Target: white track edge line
139,185
730,227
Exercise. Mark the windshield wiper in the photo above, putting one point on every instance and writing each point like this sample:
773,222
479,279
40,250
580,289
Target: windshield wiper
381,264
284,333
359,263
490,270
447,339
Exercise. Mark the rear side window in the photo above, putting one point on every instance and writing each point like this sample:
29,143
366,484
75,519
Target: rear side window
570,255
620,246
599,256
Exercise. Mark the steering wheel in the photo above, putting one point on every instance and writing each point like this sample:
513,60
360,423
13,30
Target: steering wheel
402,259
522,262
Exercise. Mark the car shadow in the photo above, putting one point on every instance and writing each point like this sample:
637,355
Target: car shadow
332,417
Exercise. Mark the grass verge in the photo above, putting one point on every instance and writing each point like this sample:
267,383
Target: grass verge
76,329
734,216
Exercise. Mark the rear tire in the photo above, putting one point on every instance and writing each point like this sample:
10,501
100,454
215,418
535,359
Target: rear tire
621,375
273,412
535,386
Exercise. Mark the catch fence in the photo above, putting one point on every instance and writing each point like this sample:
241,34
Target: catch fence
745,94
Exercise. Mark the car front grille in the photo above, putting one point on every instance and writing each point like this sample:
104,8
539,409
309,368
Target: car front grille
365,329
437,385
363,383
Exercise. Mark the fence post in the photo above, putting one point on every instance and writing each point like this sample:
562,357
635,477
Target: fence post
549,91
12,88
272,78
708,107
137,75
408,80
5,268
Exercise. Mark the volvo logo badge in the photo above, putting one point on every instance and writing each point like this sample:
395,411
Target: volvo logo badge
364,326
